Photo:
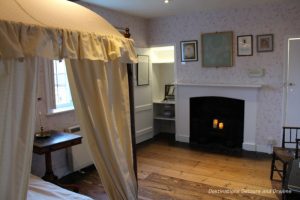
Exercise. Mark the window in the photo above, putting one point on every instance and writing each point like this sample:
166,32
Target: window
62,91
59,94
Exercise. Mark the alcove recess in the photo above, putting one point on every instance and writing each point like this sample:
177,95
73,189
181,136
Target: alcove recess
163,73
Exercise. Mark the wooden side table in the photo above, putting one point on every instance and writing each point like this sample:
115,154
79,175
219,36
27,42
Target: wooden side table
58,140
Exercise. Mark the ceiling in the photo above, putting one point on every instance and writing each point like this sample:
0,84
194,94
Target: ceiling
157,8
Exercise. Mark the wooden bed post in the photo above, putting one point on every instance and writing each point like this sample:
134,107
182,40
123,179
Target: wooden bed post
132,112
132,118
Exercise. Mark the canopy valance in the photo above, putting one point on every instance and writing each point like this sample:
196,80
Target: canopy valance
19,40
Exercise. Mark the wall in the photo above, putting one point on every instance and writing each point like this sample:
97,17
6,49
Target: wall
279,19
138,26
138,29
163,73
143,104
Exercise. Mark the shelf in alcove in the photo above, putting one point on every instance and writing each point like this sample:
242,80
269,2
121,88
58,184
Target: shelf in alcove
164,118
165,102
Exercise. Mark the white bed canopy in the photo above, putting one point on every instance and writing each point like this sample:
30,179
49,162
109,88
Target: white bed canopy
59,29
34,32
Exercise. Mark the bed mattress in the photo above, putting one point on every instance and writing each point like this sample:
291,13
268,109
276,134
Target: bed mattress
39,189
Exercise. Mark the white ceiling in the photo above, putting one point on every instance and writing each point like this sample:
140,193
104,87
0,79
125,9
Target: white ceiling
157,8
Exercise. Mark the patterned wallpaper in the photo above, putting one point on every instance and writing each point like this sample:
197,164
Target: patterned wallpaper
279,19
138,26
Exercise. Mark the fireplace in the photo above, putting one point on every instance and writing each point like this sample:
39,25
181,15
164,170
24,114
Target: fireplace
217,120
247,93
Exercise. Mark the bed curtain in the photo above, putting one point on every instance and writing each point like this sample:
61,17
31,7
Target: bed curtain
18,83
101,98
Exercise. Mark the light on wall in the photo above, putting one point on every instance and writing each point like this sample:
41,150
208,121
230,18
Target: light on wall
167,1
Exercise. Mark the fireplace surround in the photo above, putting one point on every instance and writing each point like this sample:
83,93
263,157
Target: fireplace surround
247,93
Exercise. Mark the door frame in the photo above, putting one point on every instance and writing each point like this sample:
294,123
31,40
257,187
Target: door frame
286,74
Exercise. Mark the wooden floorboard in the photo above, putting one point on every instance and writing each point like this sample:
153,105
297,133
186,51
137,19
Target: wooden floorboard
168,171
183,173
194,190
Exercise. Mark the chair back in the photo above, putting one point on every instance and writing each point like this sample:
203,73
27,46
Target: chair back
290,137
297,148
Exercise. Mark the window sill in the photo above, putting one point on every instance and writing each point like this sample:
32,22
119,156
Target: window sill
60,110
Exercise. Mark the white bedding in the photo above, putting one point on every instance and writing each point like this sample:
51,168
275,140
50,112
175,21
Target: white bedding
39,189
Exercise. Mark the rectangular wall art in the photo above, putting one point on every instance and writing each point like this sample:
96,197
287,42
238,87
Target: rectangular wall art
217,49
265,43
245,45
189,51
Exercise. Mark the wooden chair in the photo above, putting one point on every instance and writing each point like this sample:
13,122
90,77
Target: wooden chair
292,181
288,151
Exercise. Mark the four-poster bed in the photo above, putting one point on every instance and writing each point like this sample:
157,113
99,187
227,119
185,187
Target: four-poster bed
33,33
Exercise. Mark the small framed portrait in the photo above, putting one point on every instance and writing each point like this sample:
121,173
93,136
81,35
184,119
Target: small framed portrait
245,45
265,43
189,51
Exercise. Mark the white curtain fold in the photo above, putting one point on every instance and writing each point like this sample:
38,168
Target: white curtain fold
101,100
18,81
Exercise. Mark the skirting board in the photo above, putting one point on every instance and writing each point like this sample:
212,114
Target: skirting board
144,134
258,148
246,146
181,138
249,146
144,137
264,149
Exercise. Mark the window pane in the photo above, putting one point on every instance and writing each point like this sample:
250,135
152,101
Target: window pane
63,96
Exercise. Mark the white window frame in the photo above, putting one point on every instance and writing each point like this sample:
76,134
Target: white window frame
50,92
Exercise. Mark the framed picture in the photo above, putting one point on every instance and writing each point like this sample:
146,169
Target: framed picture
245,45
189,51
142,70
169,92
217,49
265,43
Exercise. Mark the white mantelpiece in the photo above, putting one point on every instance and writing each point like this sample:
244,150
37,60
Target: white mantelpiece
248,93
219,85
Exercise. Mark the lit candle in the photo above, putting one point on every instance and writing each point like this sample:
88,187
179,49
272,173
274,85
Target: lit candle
221,125
215,123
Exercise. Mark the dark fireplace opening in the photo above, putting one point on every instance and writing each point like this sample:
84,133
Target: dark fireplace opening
217,120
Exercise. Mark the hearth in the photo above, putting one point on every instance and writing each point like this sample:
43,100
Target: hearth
217,120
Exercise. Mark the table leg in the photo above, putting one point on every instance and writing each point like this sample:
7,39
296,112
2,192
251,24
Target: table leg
49,175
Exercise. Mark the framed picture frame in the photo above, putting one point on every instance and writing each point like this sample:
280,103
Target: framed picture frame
245,45
265,43
217,49
142,70
169,92
189,51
